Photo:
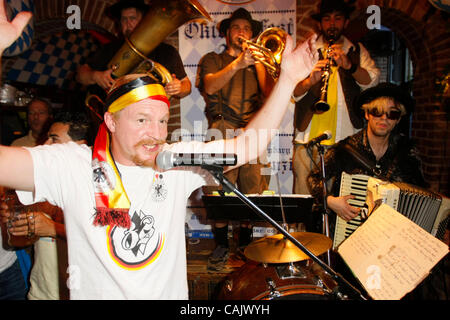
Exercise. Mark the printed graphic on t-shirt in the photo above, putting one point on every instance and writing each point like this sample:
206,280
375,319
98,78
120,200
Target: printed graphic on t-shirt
104,178
159,189
138,246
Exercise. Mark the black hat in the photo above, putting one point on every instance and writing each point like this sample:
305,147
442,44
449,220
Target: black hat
115,10
385,89
328,6
240,13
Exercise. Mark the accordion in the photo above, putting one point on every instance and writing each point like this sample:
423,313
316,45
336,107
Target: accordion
427,209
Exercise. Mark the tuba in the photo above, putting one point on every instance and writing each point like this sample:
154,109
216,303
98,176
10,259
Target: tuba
271,43
161,20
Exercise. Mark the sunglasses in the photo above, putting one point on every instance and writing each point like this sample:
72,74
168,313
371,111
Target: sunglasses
391,115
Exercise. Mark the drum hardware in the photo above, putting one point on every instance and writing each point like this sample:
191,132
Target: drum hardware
229,284
283,216
217,172
273,293
289,271
259,281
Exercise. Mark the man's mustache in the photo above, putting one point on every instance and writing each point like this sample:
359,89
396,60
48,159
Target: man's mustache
150,142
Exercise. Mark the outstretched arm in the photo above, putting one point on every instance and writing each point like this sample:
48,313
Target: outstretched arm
16,168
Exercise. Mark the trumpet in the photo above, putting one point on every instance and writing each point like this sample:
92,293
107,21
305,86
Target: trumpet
322,106
271,43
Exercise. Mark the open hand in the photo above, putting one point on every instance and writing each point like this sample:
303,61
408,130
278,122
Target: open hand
10,31
297,63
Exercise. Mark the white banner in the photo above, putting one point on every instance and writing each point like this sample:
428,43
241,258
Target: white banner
196,40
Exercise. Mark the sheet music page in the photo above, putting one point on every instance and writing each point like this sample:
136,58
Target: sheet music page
390,255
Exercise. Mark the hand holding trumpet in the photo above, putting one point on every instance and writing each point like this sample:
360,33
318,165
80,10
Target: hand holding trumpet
267,49
245,58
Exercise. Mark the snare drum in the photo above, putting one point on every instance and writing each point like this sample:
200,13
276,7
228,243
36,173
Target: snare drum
302,280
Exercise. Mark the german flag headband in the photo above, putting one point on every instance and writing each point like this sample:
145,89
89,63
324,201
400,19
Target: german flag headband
111,200
134,91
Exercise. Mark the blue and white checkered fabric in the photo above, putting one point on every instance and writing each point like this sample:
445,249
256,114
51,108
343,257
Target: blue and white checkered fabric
53,60
25,39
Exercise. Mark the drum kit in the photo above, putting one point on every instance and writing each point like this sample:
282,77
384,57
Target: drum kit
279,270
284,266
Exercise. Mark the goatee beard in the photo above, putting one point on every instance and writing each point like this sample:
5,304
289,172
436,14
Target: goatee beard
332,34
151,163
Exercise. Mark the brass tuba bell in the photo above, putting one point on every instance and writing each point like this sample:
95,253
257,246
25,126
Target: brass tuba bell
162,18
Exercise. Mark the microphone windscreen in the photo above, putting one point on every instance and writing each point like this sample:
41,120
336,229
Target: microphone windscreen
164,160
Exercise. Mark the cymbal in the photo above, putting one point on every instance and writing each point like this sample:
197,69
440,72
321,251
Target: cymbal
278,249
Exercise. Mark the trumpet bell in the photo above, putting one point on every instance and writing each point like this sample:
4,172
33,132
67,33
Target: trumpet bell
271,43
274,39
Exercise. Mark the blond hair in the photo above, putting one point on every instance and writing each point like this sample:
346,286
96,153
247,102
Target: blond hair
381,103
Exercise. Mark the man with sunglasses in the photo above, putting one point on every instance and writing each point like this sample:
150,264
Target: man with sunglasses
380,149
392,154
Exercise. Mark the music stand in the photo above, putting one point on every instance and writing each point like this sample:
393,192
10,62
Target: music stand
297,208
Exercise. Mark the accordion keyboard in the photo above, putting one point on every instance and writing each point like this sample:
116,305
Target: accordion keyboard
355,184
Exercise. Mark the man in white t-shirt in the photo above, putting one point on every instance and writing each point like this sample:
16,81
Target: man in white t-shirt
125,217
49,271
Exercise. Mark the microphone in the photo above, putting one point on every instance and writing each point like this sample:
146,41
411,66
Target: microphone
167,160
324,136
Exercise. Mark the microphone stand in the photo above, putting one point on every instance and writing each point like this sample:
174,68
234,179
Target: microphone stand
325,222
217,172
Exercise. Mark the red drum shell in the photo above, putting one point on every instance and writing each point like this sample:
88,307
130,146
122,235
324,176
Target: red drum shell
252,282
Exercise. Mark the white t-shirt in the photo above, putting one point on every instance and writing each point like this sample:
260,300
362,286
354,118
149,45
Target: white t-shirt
147,261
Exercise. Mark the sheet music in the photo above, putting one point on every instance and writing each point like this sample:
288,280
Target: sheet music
390,255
